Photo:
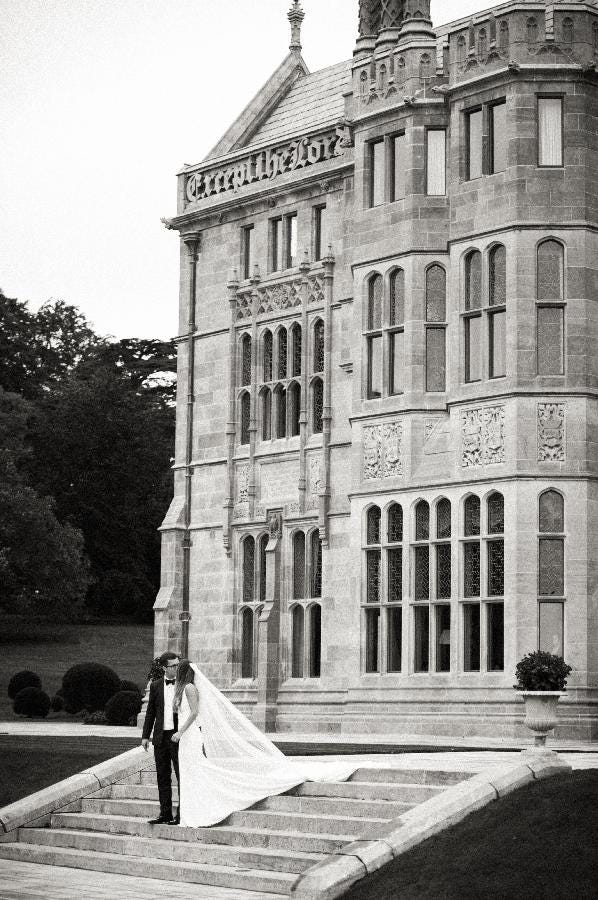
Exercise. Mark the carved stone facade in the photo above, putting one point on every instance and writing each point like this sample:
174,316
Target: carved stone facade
394,351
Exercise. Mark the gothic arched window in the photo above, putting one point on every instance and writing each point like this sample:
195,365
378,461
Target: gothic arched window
267,355
550,308
425,67
296,345
294,402
299,565
473,280
396,332
461,49
245,360
473,322
373,560
318,360
263,543
266,414
374,337
497,316
317,405
247,670
245,404
395,524
568,32
532,31
551,571
315,564
315,640
282,354
297,641
435,328
280,411
248,546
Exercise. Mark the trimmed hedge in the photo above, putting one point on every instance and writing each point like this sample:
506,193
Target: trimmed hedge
121,708
130,686
89,686
32,702
21,680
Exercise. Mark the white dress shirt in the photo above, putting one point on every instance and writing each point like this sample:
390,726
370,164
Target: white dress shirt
168,707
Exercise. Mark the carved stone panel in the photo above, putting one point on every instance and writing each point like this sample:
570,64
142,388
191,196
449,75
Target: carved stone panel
279,481
551,432
382,456
243,484
314,469
483,436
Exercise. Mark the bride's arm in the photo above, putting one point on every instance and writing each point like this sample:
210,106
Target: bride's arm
192,695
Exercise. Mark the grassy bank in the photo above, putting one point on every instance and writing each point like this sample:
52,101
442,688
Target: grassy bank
128,649
538,842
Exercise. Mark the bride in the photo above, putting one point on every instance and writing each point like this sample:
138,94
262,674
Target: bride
225,762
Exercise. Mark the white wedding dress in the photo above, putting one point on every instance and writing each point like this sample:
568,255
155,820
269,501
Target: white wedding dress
241,765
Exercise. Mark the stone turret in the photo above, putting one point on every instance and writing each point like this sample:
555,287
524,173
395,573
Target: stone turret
416,21
390,23
369,22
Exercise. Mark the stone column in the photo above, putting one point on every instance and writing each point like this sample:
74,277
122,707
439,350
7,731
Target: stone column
268,653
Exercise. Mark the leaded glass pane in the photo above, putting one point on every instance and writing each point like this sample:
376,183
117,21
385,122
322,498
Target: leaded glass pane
373,525
291,247
471,637
474,123
551,513
394,565
552,571
298,637
315,640
374,366
436,294
552,620
498,147
421,615
375,291
282,353
395,639
473,280
377,173
473,348
435,359
443,638
316,565
248,569
436,163
422,573
372,576
399,166
247,644
372,640
263,545
397,298
245,415
498,277
246,360
395,524
397,343
268,356
443,518
422,521
471,569
496,568
550,340
296,337
295,408
319,346
550,131
495,617
550,271
281,412
472,516
496,514
299,565
266,415
497,325
443,571
317,405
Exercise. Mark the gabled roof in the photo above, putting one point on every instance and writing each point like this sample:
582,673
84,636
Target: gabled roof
314,101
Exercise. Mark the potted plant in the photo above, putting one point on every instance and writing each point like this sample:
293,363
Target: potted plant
542,679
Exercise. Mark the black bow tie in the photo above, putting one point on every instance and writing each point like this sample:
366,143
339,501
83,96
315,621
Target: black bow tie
167,681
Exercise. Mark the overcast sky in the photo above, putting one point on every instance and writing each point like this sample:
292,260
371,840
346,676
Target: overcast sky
101,101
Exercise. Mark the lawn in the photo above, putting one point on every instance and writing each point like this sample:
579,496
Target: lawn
128,649
539,842
30,764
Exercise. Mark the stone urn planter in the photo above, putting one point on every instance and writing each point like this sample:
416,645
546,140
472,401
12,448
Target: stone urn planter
541,680
541,713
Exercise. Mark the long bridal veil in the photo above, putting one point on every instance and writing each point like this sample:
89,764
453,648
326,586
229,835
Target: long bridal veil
240,765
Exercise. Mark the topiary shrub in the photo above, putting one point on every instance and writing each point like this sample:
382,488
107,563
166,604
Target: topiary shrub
57,703
129,686
156,670
95,718
88,686
22,680
541,671
32,702
122,707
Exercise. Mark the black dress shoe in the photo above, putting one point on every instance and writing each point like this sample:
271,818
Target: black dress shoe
175,821
161,820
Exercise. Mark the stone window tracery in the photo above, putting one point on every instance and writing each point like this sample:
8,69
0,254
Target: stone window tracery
307,586
396,333
317,401
318,355
382,601
550,309
267,356
245,360
245,416
296,344
485,311
435,328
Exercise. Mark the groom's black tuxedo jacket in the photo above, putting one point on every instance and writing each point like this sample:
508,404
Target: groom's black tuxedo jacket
155,713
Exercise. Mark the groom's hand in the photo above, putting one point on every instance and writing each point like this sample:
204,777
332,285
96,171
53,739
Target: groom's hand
145,744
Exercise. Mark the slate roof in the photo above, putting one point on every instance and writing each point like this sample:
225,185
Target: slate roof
316,100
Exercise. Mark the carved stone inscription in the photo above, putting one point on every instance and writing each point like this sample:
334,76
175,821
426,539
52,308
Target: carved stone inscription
266,164
551,432
483,436
382,451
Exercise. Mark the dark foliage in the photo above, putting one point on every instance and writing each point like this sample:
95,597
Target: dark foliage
130,686
22,680
57,704
32,702
88,686
156,670
95,718
120,708
541,671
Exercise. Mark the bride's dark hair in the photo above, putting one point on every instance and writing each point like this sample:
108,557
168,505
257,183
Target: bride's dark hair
184,676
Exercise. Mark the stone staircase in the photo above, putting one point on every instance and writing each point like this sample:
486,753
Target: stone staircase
258,852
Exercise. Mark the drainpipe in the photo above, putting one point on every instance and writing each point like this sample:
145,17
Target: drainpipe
192,242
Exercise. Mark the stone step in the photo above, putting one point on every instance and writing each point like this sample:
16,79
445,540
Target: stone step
254,818
335,806
217,834
139,792
369,790
162,869
437,777
192,852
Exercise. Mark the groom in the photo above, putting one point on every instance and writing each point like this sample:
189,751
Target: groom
161,715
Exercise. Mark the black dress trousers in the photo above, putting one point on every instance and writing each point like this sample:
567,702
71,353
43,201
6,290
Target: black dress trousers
166,755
